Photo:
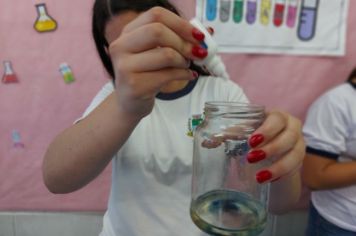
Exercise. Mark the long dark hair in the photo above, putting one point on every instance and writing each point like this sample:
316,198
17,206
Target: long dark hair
352,75
104,10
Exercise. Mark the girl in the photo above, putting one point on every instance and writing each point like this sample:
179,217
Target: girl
139,121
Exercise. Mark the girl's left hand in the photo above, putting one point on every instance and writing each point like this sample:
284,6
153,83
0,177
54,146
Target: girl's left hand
279,138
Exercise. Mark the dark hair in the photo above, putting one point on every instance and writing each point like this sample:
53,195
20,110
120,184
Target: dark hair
352,75
103,10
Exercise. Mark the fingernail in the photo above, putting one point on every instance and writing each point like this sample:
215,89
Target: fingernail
263,176
199,52
255,140
198,35
211,30
195,74
255,156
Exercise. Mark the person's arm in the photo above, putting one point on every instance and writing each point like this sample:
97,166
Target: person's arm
82,151
321,173
151,52
326,131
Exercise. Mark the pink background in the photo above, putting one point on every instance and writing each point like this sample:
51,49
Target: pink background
42,105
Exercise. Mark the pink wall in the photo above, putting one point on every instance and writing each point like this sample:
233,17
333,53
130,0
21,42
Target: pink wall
41,105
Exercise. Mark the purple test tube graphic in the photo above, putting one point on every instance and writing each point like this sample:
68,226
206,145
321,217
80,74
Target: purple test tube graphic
307,19
251,11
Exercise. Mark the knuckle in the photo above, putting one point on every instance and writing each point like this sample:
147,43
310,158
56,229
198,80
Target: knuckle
169,55
293,135
115,47
155,14
282,117
157,30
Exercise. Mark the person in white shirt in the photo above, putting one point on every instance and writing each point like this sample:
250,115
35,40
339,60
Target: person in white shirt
139,122
330,165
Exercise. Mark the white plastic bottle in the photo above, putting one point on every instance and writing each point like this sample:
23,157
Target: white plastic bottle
212,62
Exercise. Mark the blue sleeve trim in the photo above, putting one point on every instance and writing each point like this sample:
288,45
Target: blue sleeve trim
322,153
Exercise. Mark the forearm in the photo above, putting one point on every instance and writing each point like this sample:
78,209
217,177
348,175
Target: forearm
285,193
82,151
331,176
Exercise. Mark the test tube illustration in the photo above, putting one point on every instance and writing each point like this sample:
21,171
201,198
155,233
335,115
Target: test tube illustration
9,74
279,9
251,11
16,138
44,22
265,12
225,6
292,13
238,11
308,19
67,73
211,9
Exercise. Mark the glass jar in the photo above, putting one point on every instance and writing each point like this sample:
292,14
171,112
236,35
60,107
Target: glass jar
226,198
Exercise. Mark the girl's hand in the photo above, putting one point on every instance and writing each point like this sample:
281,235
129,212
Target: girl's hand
279,138
153,50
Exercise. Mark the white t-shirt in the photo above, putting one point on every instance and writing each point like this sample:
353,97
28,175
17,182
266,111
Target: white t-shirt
330,131
151,174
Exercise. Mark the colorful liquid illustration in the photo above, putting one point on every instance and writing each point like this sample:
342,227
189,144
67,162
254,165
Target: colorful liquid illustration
238,10
16,139
308,19
251,11
265,14
44,22
292,13
9,74
211,9
279,9
67,73
287,13
225,6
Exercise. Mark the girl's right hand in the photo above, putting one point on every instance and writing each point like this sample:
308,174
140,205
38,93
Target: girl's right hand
152,50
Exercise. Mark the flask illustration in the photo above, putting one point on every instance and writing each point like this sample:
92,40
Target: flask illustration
308,19
67,73
238,10
16,138
278,16
265,13
211,9
251,11
44,22
292,13
9,74
225,6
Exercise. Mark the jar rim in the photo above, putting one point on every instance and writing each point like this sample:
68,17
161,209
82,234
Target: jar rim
234,105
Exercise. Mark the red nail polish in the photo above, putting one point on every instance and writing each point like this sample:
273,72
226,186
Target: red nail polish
255,156
198,35
263,176
211,30
195,74
255,140
199,52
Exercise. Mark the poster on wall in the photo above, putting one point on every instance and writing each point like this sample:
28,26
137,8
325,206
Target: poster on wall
300,27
